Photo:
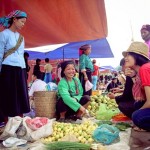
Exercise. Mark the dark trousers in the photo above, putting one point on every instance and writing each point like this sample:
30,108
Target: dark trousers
2,118
62,107
141,117
81,77
126,107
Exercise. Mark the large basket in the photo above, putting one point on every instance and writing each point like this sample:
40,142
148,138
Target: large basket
45,103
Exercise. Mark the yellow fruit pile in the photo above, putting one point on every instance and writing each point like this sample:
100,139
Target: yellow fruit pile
96,100
83,132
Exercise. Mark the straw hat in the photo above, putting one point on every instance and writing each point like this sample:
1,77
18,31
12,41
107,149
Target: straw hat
138,48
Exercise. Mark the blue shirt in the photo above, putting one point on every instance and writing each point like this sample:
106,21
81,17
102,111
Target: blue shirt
8,40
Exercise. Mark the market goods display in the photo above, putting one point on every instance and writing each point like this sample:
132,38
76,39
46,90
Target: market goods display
73,146
83,132
106,134
67,146
120,118
97,100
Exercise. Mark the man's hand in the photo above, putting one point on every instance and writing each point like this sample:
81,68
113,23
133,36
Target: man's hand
116,90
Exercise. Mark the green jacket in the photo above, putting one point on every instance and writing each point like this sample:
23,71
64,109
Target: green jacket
63,91
85,62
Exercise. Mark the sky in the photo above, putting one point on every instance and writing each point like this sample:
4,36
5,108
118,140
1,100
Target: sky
124,20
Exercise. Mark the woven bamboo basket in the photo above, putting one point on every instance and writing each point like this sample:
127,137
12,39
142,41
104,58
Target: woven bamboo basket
45,103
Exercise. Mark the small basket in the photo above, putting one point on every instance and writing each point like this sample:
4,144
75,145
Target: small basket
45,103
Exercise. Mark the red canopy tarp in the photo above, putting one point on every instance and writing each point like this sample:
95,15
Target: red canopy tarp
59,21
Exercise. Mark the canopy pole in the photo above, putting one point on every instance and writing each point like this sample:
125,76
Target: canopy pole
63,54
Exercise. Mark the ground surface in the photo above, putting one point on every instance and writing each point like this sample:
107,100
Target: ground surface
139,140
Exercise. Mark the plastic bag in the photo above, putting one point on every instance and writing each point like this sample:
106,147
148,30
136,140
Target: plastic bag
36,123
51,86
70,138
12,141
88,85
106,134
11,128
17,127
106,114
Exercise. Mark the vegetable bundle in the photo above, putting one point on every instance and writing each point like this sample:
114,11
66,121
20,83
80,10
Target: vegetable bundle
64,145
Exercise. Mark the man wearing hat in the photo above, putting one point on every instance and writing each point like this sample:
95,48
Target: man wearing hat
137,58
112,84
145,34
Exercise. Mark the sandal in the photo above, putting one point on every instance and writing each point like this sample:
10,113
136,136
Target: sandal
138,129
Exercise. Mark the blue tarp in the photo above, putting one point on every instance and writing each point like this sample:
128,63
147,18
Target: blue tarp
107,68
100,49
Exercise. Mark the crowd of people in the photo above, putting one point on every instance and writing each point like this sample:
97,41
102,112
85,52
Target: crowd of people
73,92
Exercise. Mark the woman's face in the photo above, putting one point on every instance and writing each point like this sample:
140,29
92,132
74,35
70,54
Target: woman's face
19,23
87,51
129,61
69,71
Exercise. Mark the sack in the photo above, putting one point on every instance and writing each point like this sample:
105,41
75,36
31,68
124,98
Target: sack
88,85
17,127
42,132
11,128
36,123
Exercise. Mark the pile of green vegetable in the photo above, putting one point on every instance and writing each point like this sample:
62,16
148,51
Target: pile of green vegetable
122,126
64,145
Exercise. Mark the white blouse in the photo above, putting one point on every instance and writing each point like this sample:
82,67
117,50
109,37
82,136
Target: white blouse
8,40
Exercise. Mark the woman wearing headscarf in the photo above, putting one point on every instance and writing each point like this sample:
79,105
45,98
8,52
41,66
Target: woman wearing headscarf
145,34
137,58
85,67
14,94
70,94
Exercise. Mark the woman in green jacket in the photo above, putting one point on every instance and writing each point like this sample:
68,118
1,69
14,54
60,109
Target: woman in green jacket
85,67
71,101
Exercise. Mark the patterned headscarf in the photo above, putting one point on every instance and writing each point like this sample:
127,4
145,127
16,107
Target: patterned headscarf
83,48
4,21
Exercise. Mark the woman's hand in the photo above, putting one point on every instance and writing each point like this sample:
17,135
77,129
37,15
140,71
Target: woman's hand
85,78
130,72
111,95
82,109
